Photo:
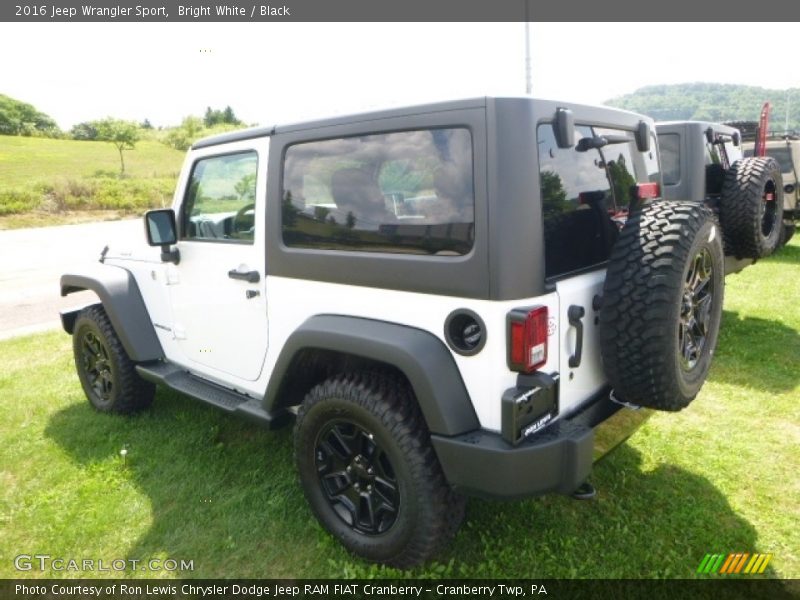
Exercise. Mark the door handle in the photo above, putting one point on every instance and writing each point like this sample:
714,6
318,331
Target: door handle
248,276
574,315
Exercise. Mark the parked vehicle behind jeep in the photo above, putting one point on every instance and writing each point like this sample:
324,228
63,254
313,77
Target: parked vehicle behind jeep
467,298
785,148
703,162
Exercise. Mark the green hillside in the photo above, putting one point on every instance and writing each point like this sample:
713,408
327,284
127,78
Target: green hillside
24,160
54,177
711,102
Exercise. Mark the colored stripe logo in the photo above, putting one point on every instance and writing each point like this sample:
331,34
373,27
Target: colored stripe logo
735,562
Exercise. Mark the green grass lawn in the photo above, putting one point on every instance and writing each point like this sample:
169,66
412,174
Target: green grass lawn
48,181
719,477
24,160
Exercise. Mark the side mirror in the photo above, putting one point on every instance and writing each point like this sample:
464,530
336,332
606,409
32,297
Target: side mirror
737,138
564,128
642,135
159,225
710,137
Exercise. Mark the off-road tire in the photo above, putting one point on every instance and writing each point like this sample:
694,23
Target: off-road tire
646,305
107,374
751,222
428,512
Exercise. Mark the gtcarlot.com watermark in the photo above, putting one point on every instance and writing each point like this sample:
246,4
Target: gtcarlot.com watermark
46,562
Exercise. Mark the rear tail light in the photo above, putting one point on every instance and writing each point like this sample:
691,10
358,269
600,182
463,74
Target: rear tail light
527,338
645,191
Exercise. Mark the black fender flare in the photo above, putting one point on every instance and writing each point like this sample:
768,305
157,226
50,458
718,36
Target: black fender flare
123,304
419,355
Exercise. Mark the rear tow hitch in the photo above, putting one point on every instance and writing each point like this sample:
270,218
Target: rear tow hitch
585,491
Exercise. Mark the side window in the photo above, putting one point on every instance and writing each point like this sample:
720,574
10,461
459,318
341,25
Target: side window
669,145
220,200
404,192
577,204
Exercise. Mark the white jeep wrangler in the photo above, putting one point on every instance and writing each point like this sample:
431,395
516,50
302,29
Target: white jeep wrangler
450,299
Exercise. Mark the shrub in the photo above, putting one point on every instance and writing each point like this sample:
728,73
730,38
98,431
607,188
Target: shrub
19,201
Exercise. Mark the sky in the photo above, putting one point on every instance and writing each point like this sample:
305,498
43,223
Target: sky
284,72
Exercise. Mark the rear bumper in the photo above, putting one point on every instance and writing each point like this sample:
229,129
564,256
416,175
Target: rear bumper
557,459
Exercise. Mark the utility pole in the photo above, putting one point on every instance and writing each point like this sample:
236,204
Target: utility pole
786,127
527,51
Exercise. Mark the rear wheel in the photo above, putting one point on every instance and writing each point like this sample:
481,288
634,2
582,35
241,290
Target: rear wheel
662,305
751,209
107,374
369,472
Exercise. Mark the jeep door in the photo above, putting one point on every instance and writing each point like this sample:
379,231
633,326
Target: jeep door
218,290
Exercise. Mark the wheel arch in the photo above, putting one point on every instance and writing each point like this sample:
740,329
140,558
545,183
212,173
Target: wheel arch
123,303
353,343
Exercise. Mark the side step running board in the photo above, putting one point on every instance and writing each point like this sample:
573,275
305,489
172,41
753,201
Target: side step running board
228,400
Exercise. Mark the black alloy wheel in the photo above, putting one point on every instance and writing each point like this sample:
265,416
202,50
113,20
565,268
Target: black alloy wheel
97,366
696,304
357,477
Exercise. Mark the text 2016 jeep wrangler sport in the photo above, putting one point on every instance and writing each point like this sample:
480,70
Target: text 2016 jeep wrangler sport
457,298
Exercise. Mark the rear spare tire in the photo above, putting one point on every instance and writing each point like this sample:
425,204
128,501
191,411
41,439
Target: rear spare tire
662,305
751,208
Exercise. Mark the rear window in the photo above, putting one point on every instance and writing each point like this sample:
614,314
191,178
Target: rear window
712,155
586,195
403,192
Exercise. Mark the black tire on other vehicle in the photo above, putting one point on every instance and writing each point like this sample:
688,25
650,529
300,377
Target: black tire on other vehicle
662,305
369,471
751,208
107,374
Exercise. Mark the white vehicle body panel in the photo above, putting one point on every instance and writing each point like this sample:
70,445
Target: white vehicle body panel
485,375
218,328
582,382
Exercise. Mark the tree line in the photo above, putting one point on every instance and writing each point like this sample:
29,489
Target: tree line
716,102
21,118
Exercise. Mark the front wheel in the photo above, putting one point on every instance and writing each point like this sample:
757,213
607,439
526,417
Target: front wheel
107,374
369,472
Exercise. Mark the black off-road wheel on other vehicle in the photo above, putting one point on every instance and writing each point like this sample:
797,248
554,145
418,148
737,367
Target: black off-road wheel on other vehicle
369,471
107,374
662,305
751,208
